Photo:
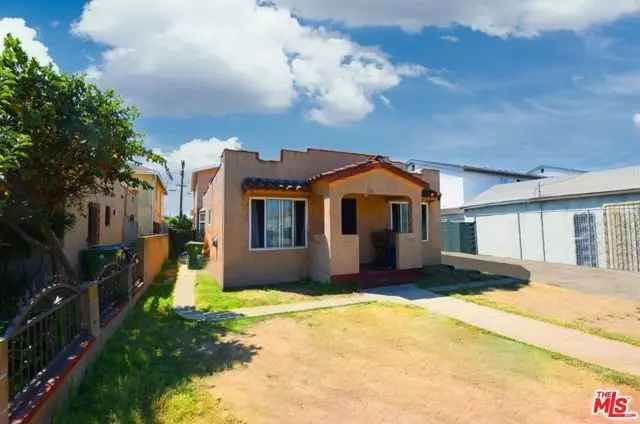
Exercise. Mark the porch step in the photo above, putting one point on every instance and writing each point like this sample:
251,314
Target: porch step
378,278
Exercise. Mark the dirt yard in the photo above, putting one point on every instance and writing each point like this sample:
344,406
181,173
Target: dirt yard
610,314
381,363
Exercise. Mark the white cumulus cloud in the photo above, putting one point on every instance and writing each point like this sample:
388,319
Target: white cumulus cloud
636,120
189,57
524,18
27,36
197,153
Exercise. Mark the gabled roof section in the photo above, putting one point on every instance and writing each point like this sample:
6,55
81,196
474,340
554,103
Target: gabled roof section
374,162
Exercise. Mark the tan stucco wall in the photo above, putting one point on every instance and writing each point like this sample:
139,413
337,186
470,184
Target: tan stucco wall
156,252
146,199
234,265
200,183
75,239
213,200
431,250
150,204
158,210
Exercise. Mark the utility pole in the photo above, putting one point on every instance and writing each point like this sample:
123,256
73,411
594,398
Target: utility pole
181,186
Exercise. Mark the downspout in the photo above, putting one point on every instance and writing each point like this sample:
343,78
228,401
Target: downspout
544,249
519,235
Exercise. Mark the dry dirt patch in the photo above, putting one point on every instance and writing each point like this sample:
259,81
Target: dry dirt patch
607,313
381,363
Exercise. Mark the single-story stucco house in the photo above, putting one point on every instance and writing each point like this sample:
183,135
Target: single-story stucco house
313,214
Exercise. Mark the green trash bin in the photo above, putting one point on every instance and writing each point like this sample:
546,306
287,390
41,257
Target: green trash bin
194,249
95,258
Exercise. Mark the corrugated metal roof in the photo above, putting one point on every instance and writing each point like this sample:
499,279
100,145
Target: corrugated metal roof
474,168
619,180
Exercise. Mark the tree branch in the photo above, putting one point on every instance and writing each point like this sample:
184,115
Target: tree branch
26,237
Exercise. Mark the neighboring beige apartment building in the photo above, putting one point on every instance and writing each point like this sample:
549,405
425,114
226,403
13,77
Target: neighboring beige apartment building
150,202
105,220
312,214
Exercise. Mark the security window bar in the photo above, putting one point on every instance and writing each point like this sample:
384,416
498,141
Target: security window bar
586,239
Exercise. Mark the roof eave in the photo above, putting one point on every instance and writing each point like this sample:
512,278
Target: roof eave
552,198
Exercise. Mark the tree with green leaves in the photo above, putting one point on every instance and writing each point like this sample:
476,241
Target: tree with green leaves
61,140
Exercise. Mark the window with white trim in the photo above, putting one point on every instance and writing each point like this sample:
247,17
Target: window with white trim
278,223
202,220
399,217
424,213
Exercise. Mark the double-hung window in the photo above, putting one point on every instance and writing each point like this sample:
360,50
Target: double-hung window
400,217
278,223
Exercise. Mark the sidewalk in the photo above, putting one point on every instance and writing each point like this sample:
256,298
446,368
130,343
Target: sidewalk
596,350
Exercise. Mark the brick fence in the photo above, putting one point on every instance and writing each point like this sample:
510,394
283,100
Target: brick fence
70,371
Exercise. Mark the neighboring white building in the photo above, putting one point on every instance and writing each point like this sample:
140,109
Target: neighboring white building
590,219
553,171
461,183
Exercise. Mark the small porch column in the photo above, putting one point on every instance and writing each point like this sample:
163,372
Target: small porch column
409,245
344,250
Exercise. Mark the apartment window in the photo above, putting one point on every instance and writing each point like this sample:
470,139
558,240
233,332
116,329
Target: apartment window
202,216
400,217
278,223
107,216
424,209
209,216
93,229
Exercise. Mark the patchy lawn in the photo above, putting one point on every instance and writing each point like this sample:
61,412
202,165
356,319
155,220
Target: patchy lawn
391,363
210,297
370,363
595,314
440,275
151,370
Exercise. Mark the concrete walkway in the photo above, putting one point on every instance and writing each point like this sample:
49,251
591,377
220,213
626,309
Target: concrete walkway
184,302
596,350
184,296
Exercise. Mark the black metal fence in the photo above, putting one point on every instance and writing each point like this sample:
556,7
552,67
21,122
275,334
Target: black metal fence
43,330
115,287
55,319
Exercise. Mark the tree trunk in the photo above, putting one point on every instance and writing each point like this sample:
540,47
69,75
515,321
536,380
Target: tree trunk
56,250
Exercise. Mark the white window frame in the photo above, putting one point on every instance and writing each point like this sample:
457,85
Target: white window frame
428,219
306,224
398,202
202,219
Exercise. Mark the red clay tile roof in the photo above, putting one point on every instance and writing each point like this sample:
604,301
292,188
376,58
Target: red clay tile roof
374,162
274,184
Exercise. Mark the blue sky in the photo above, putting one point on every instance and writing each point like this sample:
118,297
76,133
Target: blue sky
511,85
